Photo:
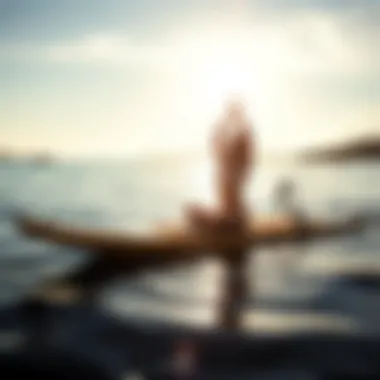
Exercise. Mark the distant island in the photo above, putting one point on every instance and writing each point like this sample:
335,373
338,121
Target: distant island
363,149
40,158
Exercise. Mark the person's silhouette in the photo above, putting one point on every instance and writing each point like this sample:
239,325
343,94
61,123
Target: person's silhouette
232,152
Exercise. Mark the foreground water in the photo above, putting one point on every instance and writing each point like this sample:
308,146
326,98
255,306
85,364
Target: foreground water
330,285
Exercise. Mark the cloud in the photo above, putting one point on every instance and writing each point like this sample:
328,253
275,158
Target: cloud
107,48
91,48
318,43
110,49
338,41
309,42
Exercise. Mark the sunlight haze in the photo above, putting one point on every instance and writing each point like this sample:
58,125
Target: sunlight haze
115,78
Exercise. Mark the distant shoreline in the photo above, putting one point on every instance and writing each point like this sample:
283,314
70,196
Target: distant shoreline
40,159
363,150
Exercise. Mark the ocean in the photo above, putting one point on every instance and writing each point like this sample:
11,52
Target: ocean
328,285
139,195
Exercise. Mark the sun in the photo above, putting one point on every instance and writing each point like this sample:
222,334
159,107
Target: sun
224,77
222,68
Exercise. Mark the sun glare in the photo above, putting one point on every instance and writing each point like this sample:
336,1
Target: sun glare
224,67
223,78
210,67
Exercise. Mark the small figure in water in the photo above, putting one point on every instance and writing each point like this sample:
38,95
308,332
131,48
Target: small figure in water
287,202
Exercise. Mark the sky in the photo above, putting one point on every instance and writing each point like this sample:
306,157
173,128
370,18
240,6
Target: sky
123,77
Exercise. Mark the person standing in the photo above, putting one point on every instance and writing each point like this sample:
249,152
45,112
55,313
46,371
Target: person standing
233,152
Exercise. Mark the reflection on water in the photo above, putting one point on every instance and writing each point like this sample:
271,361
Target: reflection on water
290,288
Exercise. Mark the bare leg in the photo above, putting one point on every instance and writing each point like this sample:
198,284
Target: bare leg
201,219
234,291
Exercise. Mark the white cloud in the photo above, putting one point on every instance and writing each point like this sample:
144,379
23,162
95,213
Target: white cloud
109,48
304,43
90,48
307,42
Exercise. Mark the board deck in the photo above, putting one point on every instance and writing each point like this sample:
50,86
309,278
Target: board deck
171,241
